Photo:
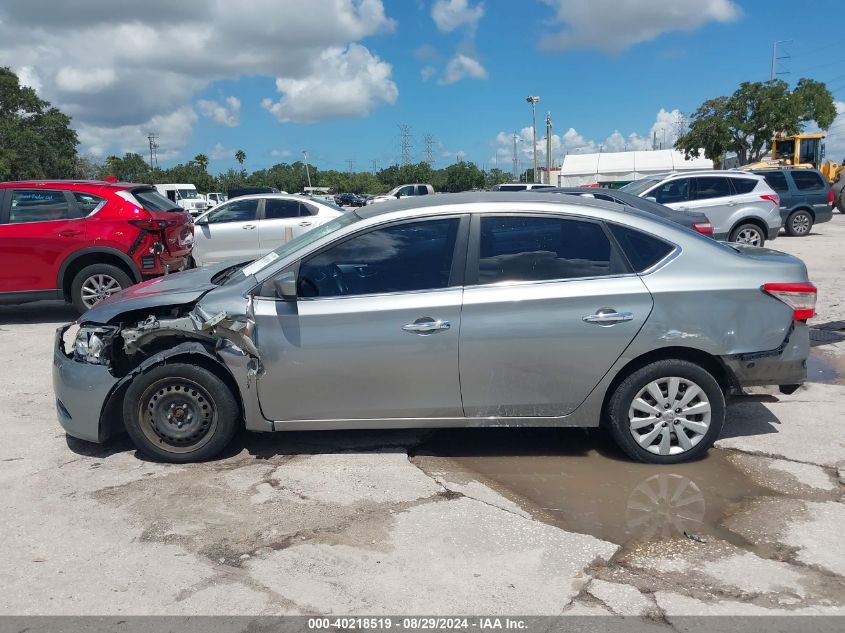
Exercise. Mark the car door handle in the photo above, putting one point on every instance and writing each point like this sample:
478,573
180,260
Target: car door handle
681,208
304,224
426,326
70,233
608,317
247,227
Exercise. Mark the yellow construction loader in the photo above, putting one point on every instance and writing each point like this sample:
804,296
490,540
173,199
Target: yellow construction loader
807,151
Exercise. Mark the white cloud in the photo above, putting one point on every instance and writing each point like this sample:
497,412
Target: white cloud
173,130
449,15
613,26
835,141
346,83
427,72
84,80
227,113
150,59
27,76
219,152
462,66
280,153
425,53
672,121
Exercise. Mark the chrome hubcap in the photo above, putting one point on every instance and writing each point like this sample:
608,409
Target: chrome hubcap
669,416
177,414
800,223
749,236
98,287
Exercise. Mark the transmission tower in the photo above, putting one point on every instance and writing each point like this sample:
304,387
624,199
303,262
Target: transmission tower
405,143
351,163
153,139
428,143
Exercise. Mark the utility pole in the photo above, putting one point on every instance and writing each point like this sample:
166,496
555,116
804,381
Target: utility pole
152,137
375,166
428,152
549,147
515,159
534,100
307,173
774,74
405,143
351,163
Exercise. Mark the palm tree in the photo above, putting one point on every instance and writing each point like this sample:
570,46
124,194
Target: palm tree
201,160
240,156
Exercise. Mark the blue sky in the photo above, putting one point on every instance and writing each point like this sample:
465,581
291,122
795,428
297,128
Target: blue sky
338,77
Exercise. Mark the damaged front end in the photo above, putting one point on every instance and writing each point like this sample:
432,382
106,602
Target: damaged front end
92,371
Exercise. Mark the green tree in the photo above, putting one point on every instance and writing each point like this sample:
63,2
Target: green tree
746,121
202,161
36,140
131,168
240,156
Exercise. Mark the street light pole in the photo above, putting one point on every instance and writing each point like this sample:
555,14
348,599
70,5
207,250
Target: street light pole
534,100
307,173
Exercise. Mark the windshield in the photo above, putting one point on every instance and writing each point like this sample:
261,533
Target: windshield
638,186
288,248
188,193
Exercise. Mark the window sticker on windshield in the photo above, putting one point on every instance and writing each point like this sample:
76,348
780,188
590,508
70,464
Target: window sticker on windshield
258,264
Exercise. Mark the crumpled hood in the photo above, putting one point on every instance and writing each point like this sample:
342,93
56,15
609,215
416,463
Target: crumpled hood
171,290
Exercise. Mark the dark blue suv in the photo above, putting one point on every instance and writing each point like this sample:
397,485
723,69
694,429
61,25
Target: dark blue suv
805,197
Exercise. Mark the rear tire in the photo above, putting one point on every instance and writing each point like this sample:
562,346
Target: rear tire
180,413
648,430
750,234
96,282
799,223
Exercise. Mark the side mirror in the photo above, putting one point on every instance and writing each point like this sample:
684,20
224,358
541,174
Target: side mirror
651,198
201,221
285,286
398,195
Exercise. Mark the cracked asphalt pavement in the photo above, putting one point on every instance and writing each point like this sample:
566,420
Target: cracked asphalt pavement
469,521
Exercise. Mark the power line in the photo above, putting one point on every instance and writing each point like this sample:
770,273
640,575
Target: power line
405,143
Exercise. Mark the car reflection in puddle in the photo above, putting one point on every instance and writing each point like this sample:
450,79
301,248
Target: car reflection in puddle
579,481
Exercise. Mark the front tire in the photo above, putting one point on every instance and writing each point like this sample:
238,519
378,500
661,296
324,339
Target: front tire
180,413
799,223
750,234
667,412
94,283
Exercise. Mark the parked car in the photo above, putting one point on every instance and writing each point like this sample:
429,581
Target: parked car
83,240
805,197
691,219
402,191
214,198
453,310
350,200
521,186
247,227
185,196
250,191
740,206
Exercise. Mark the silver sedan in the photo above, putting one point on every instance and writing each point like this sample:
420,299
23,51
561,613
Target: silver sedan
453,310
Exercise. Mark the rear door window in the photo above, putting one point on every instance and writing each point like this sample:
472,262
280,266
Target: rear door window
526,248
422,190
275,209
708,187
152,200
776,180
807,180
38,205
673,191
88,203
235,211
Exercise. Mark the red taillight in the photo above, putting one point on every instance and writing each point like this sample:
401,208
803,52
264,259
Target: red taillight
800,297
152,225
830,197
705,228
773,197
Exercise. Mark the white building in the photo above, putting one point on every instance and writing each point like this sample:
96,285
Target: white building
618,168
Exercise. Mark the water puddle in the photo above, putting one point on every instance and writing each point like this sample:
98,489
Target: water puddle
819,370
579,481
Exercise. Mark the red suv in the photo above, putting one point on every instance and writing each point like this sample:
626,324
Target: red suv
85,240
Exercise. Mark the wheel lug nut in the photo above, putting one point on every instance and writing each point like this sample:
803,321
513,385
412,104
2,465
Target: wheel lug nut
666,406
677,410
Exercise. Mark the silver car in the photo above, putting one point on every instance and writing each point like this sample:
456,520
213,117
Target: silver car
454,310
741,206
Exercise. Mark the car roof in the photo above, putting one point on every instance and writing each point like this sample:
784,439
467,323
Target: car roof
730,173
61,184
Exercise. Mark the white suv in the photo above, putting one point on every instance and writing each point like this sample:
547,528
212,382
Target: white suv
742,207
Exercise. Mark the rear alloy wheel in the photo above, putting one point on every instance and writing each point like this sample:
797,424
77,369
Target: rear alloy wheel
749,234
667,412
799,223
180,413
94,283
